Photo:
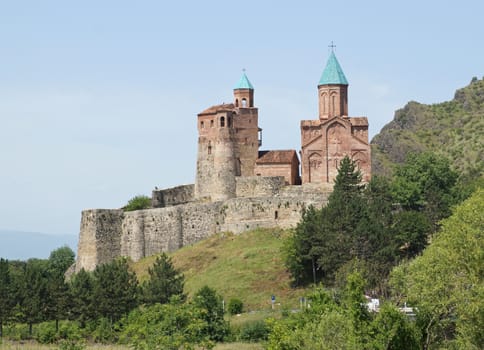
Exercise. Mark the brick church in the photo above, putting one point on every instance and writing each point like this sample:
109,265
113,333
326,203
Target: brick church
230,138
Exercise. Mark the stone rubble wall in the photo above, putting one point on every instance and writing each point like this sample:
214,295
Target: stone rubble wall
107,234
258,186
172,196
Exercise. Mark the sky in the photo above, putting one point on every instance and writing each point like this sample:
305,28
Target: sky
98,99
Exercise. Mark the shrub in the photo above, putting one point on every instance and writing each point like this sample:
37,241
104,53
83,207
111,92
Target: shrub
254,331
70,345
137,203
46,333
104,332
235,306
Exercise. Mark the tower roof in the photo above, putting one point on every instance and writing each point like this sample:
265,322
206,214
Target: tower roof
243,83
333,74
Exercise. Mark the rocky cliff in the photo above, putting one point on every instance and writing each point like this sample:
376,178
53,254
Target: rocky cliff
454,129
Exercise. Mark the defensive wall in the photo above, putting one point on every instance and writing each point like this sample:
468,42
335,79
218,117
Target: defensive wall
177,221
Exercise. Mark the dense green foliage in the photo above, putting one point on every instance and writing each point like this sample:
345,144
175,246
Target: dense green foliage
6,294
371,228
235,306
446,281
137,203
169,326
165,281
343,323
116,290
210,303
107,304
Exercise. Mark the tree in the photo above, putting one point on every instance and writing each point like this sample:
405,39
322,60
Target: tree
391,329
58,300
6,293
235,306
115,289
209,302
164,282
446,283
324,239
410,229
33,291
426,182
138,203
170,326
81,289
60,260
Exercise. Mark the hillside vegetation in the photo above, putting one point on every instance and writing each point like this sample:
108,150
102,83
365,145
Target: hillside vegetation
453,129
248,266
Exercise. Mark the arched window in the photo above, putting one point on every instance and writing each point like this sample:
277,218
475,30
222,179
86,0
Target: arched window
222,122
209,148
211,123
201,125
324,101
276,215
333,104
236,102
244,102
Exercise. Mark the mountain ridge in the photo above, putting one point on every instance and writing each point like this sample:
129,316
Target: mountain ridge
452,129
23,245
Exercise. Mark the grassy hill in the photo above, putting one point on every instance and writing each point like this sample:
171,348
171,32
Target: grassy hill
454,129
248,266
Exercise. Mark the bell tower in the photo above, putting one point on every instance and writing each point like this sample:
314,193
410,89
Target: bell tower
247,131
243,93
333,90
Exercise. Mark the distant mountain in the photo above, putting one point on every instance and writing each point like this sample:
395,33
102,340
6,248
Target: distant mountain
17,245
454,129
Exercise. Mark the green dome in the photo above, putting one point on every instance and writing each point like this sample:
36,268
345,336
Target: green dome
333,74
244,83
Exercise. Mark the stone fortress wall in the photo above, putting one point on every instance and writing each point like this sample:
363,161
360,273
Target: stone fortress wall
177,220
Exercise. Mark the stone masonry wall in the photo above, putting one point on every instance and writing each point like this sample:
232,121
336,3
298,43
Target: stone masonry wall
258,186
99,238
107,234
172,196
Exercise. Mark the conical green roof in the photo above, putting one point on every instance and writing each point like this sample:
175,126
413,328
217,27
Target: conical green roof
333,74
243,83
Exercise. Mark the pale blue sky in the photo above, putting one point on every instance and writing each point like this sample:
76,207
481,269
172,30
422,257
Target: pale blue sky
98,99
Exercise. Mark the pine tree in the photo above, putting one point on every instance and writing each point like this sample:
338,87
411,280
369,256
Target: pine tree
6,293
165,281
115,290
81,289
33,289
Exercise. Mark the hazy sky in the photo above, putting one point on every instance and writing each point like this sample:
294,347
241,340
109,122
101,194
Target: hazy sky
98,99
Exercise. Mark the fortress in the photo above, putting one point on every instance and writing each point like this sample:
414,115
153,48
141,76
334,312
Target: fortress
237,187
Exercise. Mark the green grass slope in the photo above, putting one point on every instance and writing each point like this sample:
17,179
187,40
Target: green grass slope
454,129
248,266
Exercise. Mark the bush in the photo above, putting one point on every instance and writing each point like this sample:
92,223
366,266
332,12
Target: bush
16,331
137,203
235,306
104,332
70,345
254,331
46,333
